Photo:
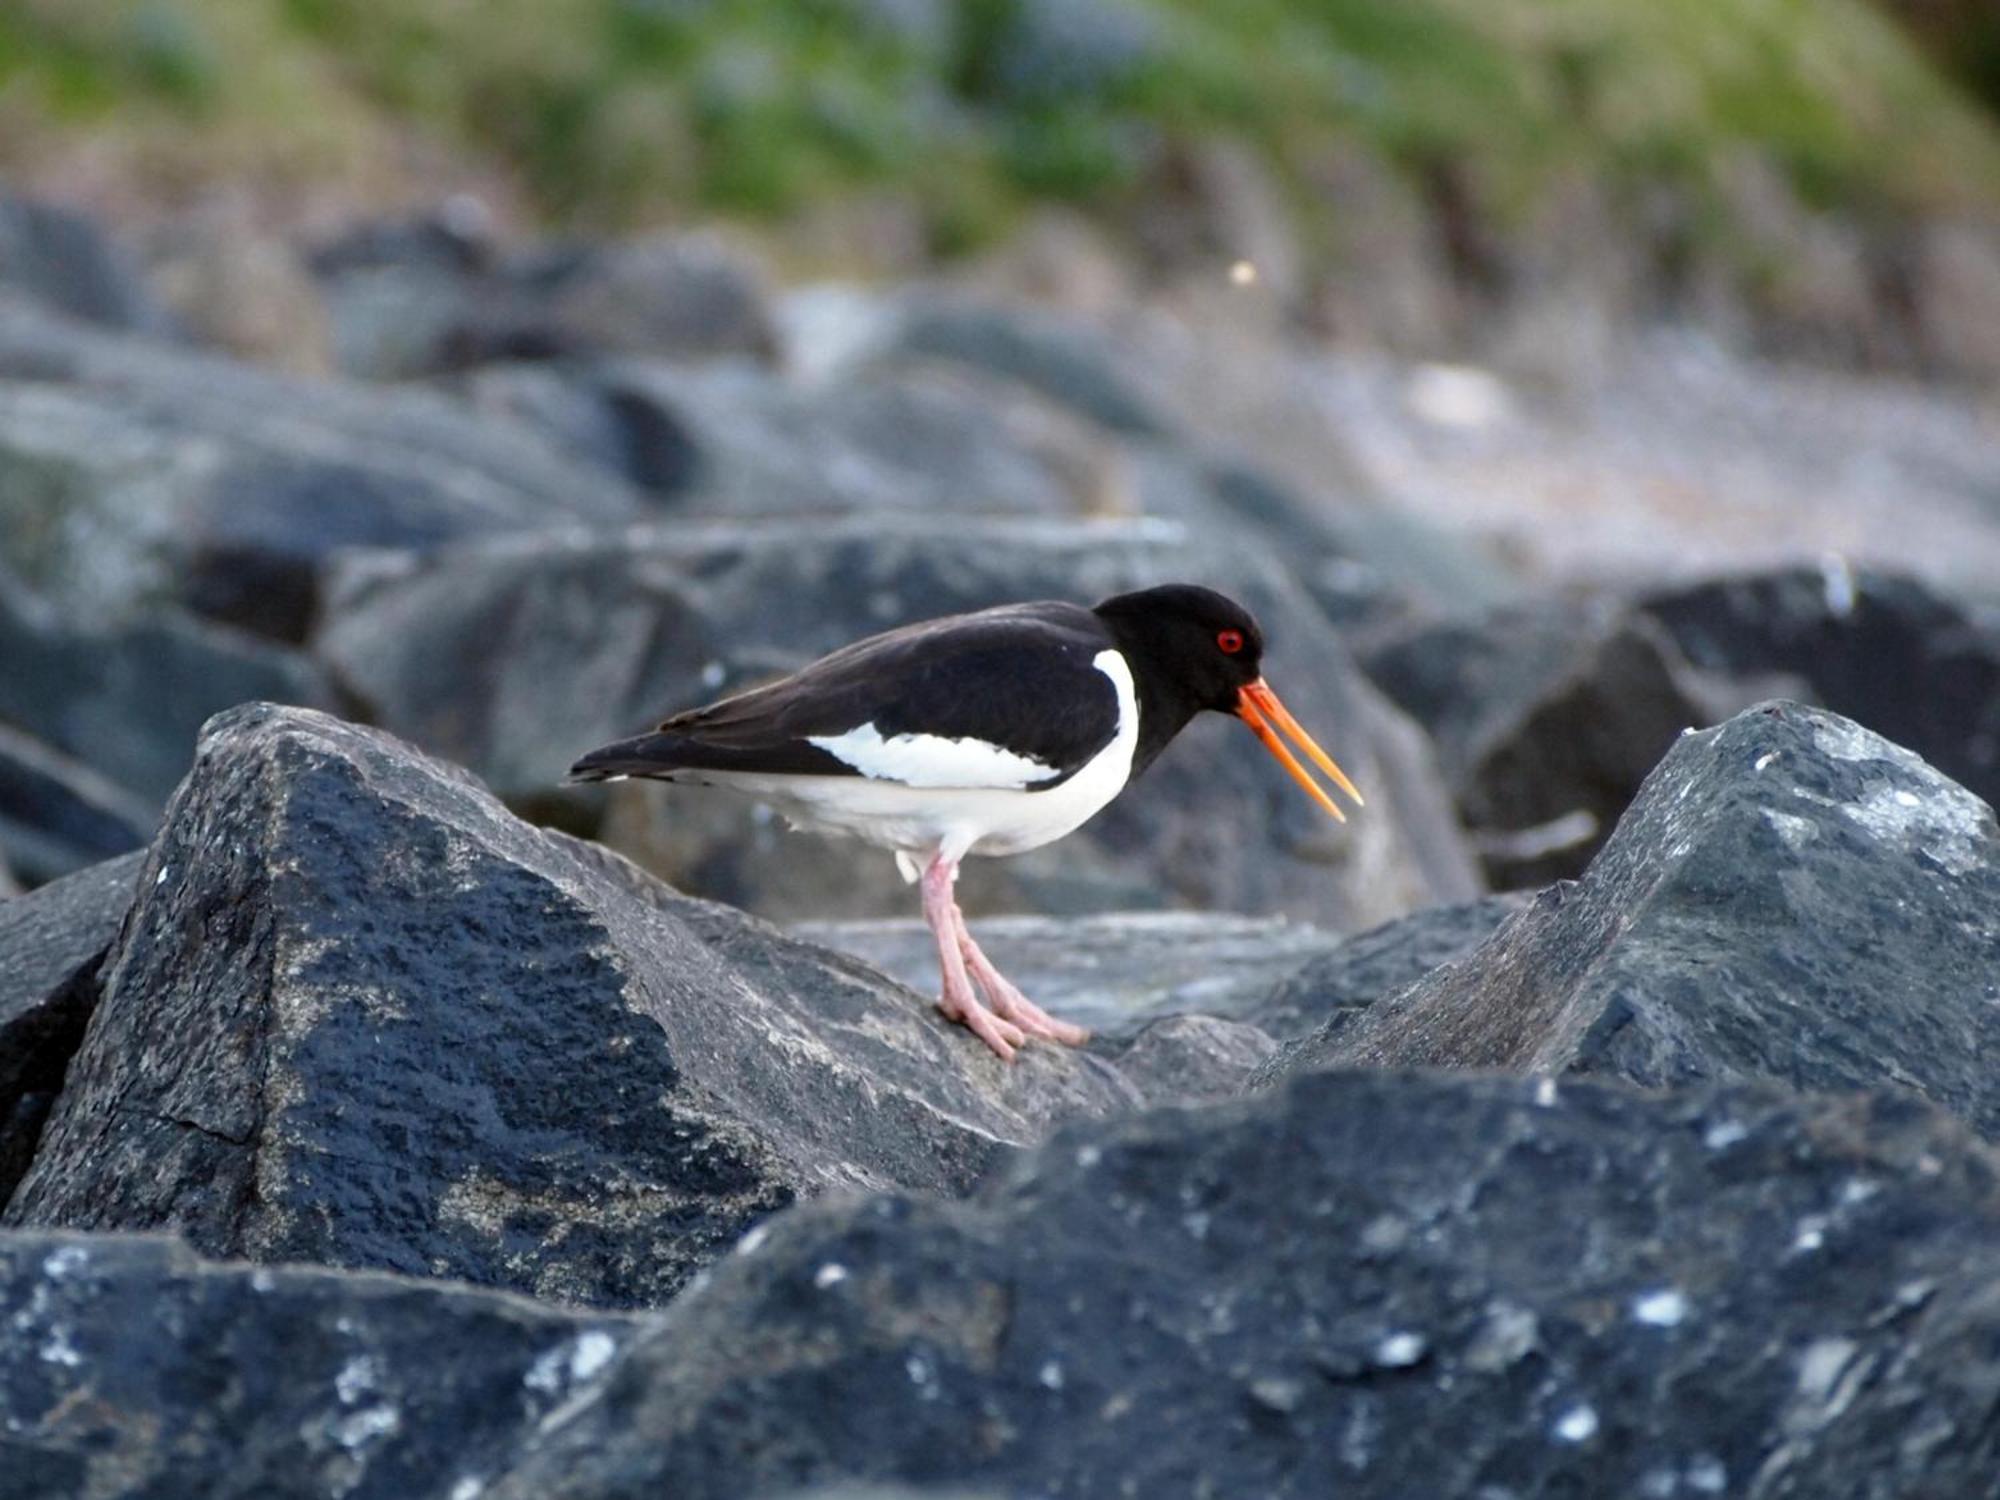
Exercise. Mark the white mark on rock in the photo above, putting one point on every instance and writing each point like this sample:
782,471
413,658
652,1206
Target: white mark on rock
1796,832
1578,1424
357,1378
713,673
364,1427
1545,1092
1196,1224
1050,1375
1088,1156
161,878
469,1487
1400,1350
923,1375
1665,1308
1243,273
58,1350
829,1275
750,1242
1706,1475
594,1349
65,1260
1857,1190
1764,760
1811,1234
1724,1134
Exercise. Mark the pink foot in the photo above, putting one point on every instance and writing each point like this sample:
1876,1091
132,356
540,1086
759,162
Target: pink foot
1007,1001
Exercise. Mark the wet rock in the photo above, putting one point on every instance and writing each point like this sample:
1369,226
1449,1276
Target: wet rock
138,1370
51,943
510,659
63,262
1790,897
137,473
1882,649
360,1016
1591,1290
58,815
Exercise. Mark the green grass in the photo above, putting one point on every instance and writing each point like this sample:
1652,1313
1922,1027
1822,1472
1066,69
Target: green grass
616,112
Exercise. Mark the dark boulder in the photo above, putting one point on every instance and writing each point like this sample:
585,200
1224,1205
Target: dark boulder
1790,897
1395,1285
1547,717
134,1369
136,473
1884,650
57,815
128,699
513,660
51,943
360,1016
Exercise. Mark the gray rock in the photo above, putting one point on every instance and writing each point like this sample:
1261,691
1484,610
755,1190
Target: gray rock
51,942
1790,897
360,1016
1547,717
419,305
1332,988
135,472
1114,973
1063,361
57,815
1591,1291
137,1370
735,440
128,699
60,260
511,659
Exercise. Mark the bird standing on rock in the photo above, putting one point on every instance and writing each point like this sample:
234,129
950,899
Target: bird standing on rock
992,732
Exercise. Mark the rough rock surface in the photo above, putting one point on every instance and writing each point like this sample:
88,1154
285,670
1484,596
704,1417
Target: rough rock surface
62,261
133,1369
514,659
1333,987
1588,1290
361,1016
51,942
1790,897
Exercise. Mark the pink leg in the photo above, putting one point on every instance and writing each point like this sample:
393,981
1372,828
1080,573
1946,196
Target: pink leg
958,1002
1007,1001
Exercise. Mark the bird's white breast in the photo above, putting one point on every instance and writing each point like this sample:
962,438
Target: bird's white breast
919,814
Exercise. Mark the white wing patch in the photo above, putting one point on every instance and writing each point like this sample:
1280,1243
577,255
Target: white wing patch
930,760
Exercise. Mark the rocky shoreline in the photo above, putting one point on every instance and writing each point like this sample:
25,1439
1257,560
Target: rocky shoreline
375,1120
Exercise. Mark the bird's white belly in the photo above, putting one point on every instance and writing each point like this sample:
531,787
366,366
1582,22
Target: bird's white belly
921,821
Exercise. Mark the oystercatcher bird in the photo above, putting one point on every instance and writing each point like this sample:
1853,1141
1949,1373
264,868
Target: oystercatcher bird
985,733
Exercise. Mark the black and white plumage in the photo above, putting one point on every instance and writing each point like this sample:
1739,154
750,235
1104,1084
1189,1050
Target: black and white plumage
986,733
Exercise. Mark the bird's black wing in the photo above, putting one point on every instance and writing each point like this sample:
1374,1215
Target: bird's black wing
1020,679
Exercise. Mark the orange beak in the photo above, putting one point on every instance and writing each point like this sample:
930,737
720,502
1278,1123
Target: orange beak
1258,706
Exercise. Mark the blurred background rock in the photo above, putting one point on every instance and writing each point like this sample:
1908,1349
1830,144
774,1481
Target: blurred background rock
1552,374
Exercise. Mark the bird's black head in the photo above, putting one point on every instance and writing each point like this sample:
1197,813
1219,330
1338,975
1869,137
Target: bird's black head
1206,643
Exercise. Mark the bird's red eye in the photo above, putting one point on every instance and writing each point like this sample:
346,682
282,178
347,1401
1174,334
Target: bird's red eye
1229,642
